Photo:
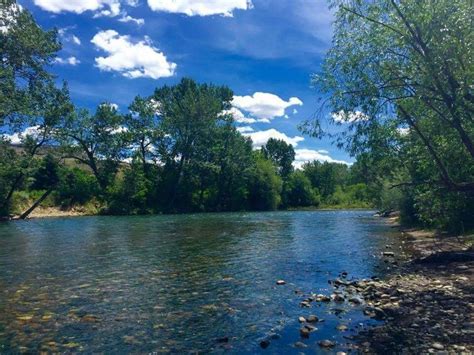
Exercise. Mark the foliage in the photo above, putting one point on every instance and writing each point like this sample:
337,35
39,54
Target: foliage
399,77
281,154
298,191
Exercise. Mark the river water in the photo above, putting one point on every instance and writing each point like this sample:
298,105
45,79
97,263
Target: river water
183,283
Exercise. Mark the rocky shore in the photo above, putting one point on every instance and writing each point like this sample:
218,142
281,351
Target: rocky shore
425,305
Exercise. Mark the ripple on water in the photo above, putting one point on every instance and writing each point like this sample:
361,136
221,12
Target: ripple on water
177,283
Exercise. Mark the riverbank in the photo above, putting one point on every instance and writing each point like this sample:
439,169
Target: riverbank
91,210
426,304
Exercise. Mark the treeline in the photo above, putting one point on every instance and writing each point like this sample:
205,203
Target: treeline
400,78
174,151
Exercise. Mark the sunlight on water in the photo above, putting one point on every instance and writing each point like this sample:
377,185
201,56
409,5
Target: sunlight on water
178,283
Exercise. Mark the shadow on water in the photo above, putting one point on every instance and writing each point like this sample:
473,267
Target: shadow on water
178,283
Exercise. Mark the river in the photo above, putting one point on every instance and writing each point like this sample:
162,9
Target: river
181,283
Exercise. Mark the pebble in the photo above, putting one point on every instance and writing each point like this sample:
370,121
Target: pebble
281,282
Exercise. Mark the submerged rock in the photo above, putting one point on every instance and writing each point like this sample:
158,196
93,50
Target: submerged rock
312,318
326,344
304,332
265,344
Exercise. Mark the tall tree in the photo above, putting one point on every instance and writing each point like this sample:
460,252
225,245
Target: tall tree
190,112
399,76
281,154
28,95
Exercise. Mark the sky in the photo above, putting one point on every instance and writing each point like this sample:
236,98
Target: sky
264,50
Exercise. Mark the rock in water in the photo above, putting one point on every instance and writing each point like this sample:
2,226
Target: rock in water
264,344
304,332
301,319
437,346
281,282
312,318
300,345
327,344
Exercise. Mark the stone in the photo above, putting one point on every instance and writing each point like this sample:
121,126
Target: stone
281,282
326,344
437,346
300,345
388,253
342,327
265,344
304,332
312,318
302,319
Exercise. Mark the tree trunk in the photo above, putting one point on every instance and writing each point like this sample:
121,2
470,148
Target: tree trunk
36,204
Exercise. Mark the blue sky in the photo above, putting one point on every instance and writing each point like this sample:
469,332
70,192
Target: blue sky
264,50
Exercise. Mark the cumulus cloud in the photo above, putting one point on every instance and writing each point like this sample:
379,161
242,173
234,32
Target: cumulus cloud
132,60
265,105
101,7
349,117
128,18
17,138
261,137
67,61
303,156
200,7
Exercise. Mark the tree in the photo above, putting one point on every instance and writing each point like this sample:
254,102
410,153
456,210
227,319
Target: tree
98,141
190,113
298,192
143,131
28,95
399,76
45,178
266,185
281,154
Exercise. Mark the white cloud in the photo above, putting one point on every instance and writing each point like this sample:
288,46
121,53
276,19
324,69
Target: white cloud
239,117
132,60
105,7
261,137
67,61
17,138
303,156
349,117
245,129
128,18
76,40
265,105
200,7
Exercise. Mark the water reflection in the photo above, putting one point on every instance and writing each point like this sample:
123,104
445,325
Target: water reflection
175,283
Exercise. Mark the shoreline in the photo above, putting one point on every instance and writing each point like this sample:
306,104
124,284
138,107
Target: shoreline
427,302
56,212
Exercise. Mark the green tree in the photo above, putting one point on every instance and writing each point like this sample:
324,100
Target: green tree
189,113
97,141
266,185
46,178
281,154
298,191
28,95
399,77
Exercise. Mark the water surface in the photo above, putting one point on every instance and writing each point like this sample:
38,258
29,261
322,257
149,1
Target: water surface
186,283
